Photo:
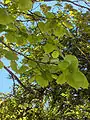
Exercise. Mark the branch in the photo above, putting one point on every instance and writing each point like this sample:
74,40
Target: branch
17,51
24,55
3,4
69,2
76,4
16,78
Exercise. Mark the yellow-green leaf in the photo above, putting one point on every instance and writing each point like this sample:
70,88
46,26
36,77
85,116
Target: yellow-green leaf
61,79
63,65
48,48
68,25
55,54
13,65
22,69
7,1
10,55
1,65
5,18
24,4
78,80
41,81
71,59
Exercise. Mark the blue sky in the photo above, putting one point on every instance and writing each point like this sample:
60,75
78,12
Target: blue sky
5,82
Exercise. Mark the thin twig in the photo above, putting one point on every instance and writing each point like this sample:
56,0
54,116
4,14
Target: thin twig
76,4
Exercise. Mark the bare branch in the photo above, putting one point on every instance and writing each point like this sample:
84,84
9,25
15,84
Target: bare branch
16,78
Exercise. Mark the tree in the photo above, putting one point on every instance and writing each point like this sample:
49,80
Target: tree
49,51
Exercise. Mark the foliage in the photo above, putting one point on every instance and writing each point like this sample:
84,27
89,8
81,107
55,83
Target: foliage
55,102
49,49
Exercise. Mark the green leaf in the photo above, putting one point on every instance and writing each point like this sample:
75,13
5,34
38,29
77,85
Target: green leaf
68,25
45,58
7,1
48,48
49,15
5,18
41,26
46,27
78,80
41,81
21,40
32,64
61,79
54,76
11,37
22,69
71,59
60,31
10,55
47,75
55,54
37,15
32,79
13,65
53,68
24,4
45,8
73,68
54,60
37,71
34,39
63,65
1,65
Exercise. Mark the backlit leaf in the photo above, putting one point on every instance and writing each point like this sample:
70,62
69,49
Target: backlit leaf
48,48
55,54
71,59
7,1
24,4
61,79
60,31
41,81
78,80
63,65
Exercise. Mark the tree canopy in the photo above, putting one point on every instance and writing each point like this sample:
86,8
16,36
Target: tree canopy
47,44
